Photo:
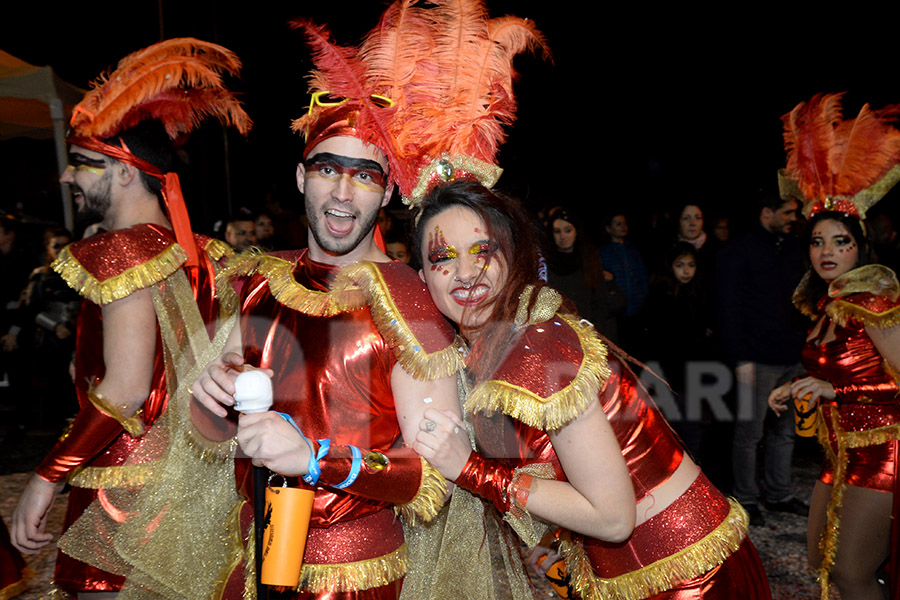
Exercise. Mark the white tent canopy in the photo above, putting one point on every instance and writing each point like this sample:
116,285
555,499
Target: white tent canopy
34,103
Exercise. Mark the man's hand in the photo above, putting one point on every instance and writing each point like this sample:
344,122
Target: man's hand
272,442
215,386
28,521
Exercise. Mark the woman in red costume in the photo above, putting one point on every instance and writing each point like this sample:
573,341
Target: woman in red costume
538,380
850,355
840,169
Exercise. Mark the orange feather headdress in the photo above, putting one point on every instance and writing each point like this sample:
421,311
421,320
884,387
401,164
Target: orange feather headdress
447,70
839,165
177,82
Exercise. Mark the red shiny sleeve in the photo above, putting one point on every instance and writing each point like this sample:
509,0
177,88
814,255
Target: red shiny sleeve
488,478
397,482
91,432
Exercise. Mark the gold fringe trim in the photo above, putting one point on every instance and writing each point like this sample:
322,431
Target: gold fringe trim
560,407
355,576
250,565
133,425
842,311
110,477
217,249
389,320
125,283
285,289
208,450
802,300
57,593
828,543
14,589
664,574
428,500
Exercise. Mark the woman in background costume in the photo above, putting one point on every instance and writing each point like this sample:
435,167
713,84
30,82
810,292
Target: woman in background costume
840,168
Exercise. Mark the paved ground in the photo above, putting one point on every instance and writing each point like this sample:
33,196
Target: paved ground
781,542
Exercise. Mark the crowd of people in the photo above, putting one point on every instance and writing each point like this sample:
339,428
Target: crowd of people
491,377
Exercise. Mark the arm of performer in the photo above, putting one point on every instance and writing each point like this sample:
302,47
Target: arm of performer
598,500
129,347
274,443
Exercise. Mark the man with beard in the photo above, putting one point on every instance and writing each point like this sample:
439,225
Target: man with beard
357,352
137,279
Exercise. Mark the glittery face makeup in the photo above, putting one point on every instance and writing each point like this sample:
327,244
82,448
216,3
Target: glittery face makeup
462,265
343,184
832,250
89,178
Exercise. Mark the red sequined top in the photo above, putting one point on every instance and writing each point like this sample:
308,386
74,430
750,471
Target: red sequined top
548,367
333,374
105,268
866,394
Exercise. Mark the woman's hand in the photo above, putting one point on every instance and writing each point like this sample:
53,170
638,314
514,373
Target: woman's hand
813,388
442,440
549,555
779,397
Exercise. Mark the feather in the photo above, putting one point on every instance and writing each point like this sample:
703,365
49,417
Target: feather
829,157
158,83
340,71
867,148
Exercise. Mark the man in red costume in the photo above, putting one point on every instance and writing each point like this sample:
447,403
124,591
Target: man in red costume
357,351
119,171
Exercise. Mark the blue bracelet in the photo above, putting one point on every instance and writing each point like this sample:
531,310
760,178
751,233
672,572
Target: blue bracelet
312,477
354,468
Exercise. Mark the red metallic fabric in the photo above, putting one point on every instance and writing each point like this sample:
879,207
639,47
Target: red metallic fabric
690,518
332,375
650,447
88,444
12,566
867,398
487,478
652,453
740,577
404,472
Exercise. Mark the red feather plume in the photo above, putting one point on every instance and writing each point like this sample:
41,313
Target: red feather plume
178,82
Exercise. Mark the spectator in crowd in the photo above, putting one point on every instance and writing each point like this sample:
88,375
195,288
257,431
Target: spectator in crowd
49,314
575,269
622,258
240,232
762,336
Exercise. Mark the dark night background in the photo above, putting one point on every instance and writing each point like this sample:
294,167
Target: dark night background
641,107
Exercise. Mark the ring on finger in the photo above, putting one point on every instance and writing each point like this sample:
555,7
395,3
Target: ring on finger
430,426
456,429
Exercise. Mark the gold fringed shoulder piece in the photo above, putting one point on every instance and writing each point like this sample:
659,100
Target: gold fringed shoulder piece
119,286
868,294
801,298
217,249
392,323
548,412
662,575
428,500
355,576
279,273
